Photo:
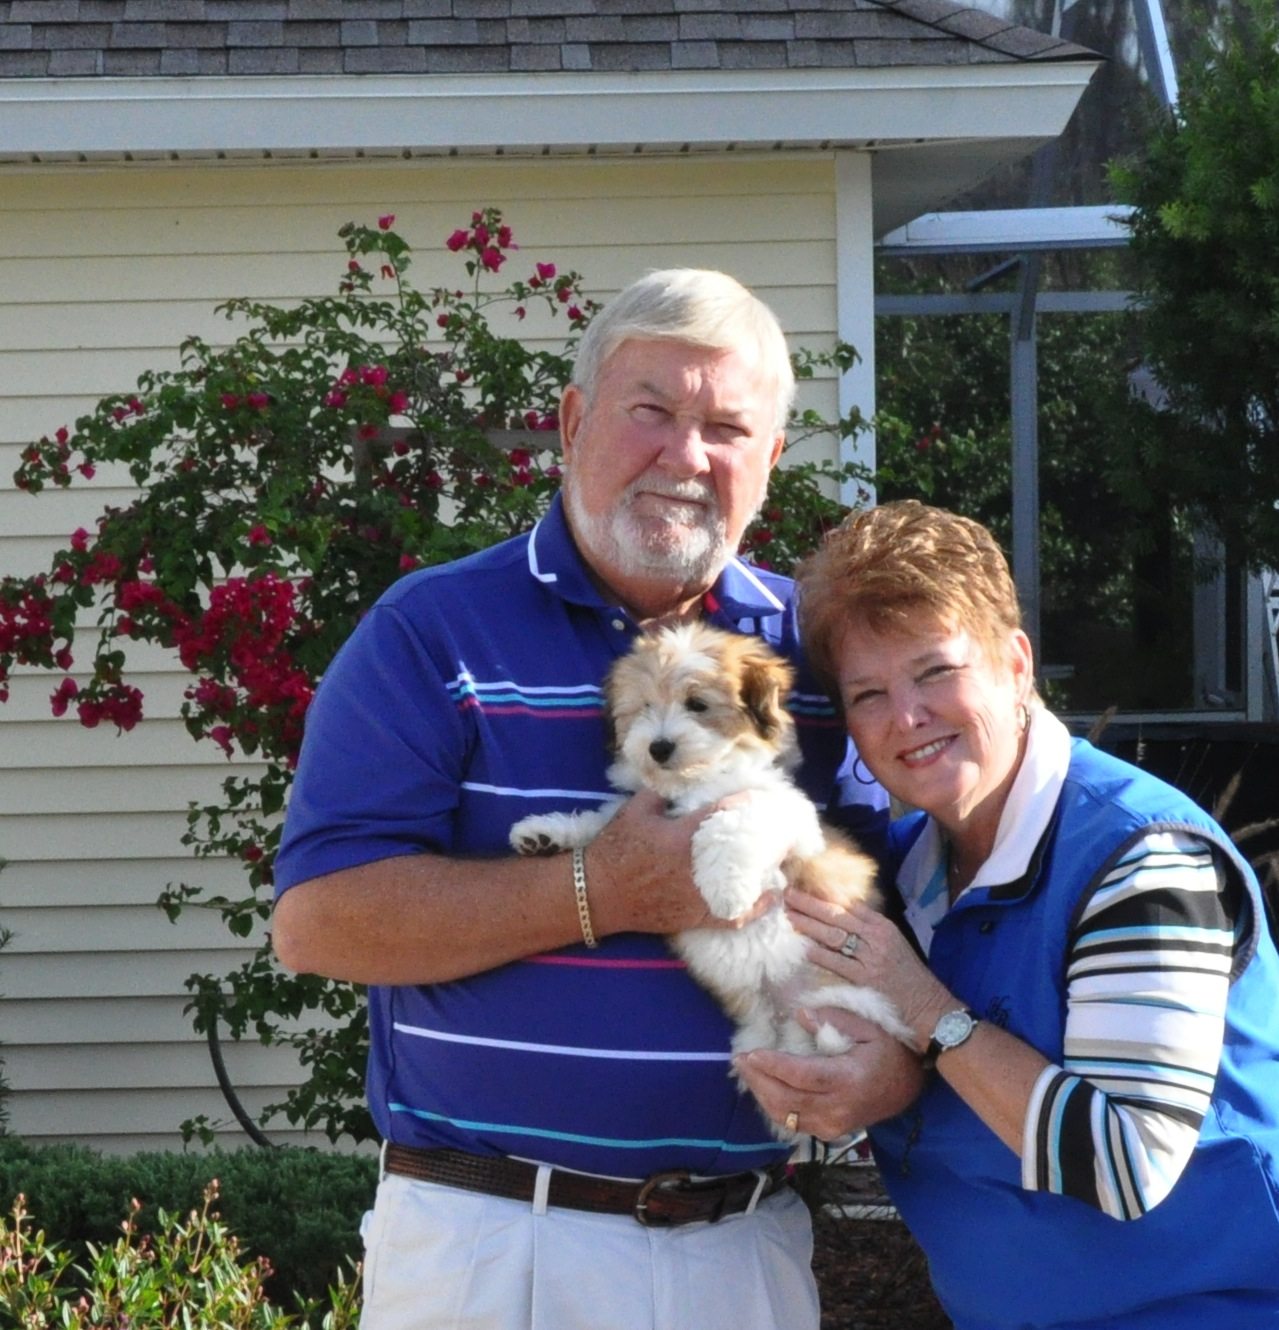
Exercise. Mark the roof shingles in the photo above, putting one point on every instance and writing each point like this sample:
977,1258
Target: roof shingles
192,38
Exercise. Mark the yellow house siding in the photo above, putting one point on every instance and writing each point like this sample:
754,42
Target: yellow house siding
102,272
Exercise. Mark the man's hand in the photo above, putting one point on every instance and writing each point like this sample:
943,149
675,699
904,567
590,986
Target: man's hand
639,872
876,1079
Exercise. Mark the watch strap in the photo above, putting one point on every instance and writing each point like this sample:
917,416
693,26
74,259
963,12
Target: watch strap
935,1046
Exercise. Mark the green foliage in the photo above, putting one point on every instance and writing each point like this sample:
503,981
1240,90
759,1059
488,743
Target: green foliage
1206,242
189,1272
1114,550
297,1209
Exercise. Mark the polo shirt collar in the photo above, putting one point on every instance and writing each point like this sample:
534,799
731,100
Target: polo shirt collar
553,559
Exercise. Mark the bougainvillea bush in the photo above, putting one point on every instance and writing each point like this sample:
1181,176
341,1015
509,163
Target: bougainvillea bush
284,480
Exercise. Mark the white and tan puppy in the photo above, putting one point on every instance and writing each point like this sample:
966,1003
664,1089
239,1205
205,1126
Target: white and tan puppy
698,714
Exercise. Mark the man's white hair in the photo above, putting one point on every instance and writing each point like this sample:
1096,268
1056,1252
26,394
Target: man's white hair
695,305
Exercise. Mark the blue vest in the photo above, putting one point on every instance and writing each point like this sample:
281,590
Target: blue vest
1207,1257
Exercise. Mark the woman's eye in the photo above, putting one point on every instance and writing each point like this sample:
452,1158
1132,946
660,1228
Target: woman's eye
868,695
936,672
694,704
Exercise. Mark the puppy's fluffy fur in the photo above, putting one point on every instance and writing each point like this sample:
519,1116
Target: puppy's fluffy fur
698,714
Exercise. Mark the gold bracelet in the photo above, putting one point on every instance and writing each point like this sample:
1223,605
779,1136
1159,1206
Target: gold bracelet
579,895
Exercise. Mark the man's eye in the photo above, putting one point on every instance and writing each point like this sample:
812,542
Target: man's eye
650,412
694,704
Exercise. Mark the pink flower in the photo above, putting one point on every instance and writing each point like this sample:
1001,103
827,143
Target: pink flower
574,313
521,456
335,399
259,401
457,240
481,236
398,402
373,375
407,563
230,401
520,311
62,436
80,539
63,658
87,470
386,222
492,258
60,699
222,736
259,535
546,271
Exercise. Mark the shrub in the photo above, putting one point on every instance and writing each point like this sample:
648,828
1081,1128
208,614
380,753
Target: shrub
189,1273
297,1209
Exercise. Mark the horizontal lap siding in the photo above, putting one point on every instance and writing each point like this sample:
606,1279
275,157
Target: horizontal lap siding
102,273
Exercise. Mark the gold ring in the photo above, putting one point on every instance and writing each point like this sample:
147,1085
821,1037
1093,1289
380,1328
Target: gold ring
792,1121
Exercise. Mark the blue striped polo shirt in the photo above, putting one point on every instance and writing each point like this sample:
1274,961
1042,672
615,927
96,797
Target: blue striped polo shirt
467,698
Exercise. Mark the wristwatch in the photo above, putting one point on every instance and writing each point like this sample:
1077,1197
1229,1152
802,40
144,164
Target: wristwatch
954,1028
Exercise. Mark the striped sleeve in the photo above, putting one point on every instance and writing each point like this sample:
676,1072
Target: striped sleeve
1147,980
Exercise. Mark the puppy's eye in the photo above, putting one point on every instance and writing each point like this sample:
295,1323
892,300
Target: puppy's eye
694,704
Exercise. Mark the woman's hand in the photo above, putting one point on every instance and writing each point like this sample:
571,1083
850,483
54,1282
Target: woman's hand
880,958
831,1096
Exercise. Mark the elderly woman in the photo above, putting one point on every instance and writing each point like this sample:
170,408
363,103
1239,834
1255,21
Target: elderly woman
1083,958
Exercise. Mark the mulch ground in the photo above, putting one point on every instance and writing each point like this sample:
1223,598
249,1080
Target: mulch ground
871,1273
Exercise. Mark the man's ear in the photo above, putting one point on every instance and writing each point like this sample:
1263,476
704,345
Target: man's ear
572,410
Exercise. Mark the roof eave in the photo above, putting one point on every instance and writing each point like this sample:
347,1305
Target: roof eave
43,119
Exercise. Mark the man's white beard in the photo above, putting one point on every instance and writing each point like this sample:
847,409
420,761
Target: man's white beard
637,547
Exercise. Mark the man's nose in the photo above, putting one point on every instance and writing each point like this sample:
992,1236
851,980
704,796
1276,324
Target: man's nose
684,451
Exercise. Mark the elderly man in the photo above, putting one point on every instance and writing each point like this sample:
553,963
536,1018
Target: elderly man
565,1145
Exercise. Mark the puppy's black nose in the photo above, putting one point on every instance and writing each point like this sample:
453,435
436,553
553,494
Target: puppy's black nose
660,749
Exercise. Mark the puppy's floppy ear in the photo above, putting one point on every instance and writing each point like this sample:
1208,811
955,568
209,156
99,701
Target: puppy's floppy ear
765,682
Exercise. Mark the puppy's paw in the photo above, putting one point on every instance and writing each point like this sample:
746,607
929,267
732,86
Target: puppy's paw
541,835
829,1040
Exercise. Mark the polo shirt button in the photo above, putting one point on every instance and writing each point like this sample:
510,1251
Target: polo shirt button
620,625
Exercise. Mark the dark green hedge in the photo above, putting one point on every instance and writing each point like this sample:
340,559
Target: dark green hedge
299,1208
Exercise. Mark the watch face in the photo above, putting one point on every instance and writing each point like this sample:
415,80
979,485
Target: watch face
953,1028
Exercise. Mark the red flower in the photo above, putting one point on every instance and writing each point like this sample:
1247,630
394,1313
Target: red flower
398,402
386,222
492,258
335,399
388,272
259,401
546,271
87,470
230,401
407,563
520,311
60,699
80,539
222,736
259,535
457,240
62,436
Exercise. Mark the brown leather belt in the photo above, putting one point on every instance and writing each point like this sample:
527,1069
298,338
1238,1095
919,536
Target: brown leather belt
660,1201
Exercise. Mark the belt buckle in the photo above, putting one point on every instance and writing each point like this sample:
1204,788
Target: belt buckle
658,1182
